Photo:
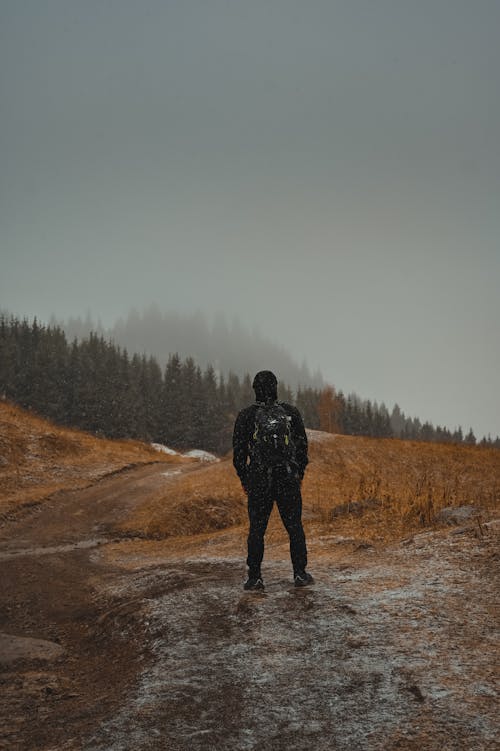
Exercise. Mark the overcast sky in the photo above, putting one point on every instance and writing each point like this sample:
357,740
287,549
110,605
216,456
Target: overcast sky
327,170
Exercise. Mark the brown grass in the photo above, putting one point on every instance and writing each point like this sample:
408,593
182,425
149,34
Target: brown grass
207,500
365,488
388,488
38,458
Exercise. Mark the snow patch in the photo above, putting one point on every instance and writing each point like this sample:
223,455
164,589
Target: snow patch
171,472
202,456
319,436
164,449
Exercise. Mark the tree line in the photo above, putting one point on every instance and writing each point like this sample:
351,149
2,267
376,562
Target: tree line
354,416
95,385
226,344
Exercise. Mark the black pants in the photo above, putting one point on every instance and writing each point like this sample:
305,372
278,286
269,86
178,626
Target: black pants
263,489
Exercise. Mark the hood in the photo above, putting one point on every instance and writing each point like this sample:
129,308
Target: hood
265,385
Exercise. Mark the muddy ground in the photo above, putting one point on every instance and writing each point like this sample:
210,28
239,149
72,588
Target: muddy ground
111,644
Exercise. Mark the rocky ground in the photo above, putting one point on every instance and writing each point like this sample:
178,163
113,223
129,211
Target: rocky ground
114,644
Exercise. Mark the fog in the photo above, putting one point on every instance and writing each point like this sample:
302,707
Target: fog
326,171
227,346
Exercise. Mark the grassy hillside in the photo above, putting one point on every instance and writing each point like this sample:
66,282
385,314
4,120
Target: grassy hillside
38,458
369,488
379,489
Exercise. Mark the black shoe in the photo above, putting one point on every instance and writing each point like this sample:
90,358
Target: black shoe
302,579
254,582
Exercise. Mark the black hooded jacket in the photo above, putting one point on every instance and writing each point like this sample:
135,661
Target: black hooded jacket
266,392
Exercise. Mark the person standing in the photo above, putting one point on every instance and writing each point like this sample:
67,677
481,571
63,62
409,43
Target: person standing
270,458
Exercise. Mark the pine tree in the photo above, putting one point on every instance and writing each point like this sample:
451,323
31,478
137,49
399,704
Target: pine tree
216,414
285,394
470,438
170,431
152,381
307,403
397,421
8,357
191,421
330,411
426,432
247,395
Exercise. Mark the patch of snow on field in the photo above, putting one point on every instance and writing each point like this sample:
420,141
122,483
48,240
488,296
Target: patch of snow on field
203,456
164,449
319,436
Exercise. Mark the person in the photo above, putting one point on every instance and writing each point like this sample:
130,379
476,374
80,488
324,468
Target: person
270,458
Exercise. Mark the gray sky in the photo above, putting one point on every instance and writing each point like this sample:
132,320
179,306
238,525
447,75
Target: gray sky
329,171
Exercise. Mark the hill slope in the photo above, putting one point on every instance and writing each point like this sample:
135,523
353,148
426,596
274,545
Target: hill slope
228,347
38,458
380,488
377,488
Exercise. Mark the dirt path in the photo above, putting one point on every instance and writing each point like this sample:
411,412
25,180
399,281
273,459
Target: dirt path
71,516
128,645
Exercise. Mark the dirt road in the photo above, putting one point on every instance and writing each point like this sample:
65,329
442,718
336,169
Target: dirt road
111,644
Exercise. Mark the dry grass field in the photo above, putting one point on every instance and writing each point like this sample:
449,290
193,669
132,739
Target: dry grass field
392,488
38,458
380,489
376,489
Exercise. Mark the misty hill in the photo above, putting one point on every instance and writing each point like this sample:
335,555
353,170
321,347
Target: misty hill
96,385
228,347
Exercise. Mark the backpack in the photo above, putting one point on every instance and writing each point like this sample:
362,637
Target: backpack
271,442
